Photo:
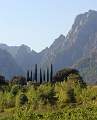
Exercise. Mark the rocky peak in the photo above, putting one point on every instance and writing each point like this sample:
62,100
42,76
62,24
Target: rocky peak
84,25
81,19
58,42
25,48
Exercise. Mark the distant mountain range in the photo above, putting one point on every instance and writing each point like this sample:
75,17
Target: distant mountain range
74,50
8,66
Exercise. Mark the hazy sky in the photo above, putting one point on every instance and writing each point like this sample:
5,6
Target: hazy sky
38,22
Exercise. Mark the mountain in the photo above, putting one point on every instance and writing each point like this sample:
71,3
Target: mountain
79,42
8,66
88,68
11,49
66,51
53,52
23,55
83,35
26,57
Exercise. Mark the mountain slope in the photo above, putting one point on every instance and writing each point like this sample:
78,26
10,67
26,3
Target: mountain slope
8,66
53,52
88,68
23,55
80,42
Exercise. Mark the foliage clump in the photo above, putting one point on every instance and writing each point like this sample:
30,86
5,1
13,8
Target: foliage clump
19,80
22,99
15,90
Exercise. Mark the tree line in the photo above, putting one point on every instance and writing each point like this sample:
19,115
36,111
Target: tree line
42,76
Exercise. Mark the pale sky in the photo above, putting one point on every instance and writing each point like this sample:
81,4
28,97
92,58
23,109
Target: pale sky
37,23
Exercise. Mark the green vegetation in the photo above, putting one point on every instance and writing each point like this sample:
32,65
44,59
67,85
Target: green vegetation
70,99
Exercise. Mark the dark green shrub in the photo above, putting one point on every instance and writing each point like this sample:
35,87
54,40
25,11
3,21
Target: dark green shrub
47,95
64,74
14,90
24,89
19,80
71,96
22,99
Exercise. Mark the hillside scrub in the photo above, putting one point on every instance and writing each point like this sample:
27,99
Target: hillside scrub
61,101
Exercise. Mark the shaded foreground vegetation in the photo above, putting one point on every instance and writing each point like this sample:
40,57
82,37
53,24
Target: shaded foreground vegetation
70,99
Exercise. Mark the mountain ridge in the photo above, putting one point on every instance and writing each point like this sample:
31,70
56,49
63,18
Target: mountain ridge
80,42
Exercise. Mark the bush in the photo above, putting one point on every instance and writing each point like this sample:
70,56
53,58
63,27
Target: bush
71,96
22,99
19,80
6,100
15,90
47,95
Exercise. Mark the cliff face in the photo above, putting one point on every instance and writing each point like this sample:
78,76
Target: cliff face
80,42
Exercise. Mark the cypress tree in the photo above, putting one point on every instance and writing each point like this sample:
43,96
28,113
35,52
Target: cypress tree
44,75
40,76
51,73
47,74
31,76
27,75
36,72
